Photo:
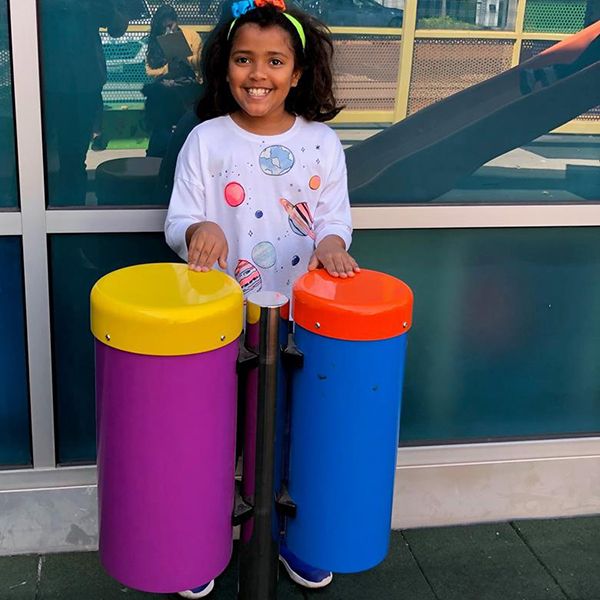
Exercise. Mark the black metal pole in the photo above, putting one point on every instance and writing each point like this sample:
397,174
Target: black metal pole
259,540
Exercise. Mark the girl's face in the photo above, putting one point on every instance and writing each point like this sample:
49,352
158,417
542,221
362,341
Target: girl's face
261,72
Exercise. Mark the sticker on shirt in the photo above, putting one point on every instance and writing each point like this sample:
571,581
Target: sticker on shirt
248,277
234,193
264,255
276,160
299,217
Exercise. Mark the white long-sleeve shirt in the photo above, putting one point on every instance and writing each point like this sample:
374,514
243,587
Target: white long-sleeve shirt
275,197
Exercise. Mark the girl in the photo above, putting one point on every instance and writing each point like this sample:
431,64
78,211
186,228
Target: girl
176,84
260,186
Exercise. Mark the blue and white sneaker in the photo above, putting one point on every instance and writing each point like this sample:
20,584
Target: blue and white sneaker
302,573
199,592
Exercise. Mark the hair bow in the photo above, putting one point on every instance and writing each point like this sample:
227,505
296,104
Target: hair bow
280,4
241,7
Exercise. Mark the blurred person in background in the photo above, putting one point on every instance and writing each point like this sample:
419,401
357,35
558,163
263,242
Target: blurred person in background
176,84
73,75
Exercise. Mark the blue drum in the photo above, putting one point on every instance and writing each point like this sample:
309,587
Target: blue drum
345,416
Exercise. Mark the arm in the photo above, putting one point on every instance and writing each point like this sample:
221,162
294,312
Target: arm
156,72
187,204
199,242
195,43
333,224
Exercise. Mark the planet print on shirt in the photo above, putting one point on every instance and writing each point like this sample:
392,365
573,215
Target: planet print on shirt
314,183
248,276
264,255
276,160
299,217
234,194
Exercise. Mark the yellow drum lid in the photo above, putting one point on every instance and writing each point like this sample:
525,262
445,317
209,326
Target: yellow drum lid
165,309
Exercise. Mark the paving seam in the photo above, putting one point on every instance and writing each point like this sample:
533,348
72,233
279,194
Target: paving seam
419,566
39,576
542,563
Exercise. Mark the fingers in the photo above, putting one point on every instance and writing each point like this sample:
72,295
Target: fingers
353,265
194,255
333,263
207,256
340,264
223,255
313,263
207,246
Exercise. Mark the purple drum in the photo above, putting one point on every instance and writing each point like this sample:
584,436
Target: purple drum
166,350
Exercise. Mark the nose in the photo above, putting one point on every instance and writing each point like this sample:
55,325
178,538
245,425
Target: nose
258,72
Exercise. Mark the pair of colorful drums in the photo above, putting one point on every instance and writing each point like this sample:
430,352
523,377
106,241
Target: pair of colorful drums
167,342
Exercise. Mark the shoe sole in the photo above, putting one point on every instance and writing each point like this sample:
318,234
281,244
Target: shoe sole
203,593
313,585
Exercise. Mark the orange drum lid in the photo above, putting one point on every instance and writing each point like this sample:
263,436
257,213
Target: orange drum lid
368,306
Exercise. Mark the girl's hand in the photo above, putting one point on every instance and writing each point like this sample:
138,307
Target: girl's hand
332,256
206,245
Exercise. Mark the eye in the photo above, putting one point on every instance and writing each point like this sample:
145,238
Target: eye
276,62
242,60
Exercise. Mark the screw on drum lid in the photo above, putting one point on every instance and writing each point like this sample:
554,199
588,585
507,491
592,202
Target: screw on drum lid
165,309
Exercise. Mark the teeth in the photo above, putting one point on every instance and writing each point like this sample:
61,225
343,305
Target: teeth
258,91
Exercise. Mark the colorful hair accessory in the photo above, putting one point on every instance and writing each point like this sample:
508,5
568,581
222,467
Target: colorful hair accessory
241,7
280,4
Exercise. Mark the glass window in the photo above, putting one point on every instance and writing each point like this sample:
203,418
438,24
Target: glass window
15,448
366,71
355,13
557,16
466,14
8,166
111,99
77,262
480,131
475,114
506,329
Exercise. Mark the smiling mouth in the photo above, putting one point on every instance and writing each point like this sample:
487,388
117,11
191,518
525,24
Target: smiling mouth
257,92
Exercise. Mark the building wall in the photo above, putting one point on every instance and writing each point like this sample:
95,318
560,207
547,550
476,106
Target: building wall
502,379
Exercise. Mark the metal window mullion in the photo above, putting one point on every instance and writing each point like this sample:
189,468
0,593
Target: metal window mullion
128,220
411,216
10,223
443,216
28,125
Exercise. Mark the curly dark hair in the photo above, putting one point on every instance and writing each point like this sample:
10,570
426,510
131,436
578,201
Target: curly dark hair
312,98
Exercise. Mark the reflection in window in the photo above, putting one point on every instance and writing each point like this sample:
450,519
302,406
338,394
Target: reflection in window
480,117
8,178
557,16
14,397
356,13
506,329
73,75
466,14
77,262
479,131
110,107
